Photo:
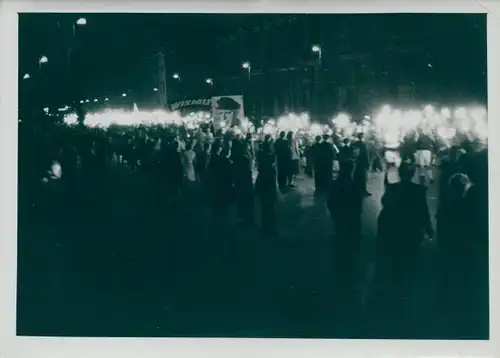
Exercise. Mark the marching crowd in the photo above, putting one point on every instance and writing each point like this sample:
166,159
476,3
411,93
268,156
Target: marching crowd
77,167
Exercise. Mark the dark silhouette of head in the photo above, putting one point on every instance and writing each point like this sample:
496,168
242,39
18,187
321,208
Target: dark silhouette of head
282,134
228,104
406,171
458,184
318,138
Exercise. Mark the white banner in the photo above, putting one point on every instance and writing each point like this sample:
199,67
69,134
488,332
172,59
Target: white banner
227,111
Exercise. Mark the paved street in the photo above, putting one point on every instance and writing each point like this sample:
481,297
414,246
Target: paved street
159,274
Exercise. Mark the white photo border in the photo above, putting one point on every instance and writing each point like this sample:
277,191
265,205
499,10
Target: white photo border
12,346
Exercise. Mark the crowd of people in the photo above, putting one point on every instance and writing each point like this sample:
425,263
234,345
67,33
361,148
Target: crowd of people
76,167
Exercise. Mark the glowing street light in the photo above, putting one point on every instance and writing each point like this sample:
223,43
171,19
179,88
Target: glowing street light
80,22
124,95
82,101
42,61
317,49
106,99
176,76
95,100
26,76
87,100
209,81
248,67
155,89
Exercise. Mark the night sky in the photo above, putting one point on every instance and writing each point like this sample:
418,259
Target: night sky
198,46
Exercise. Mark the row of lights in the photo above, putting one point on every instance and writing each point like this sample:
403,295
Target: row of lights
246,65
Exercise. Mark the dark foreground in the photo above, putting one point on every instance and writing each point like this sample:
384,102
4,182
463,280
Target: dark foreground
147,272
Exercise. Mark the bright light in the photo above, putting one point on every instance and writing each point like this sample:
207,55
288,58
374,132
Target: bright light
43,59
429,108
446,113
386,109
342,120
478,113
460,113
429,65
26,76
124,95
316,48
106,99
176,76
56,170
246,65
209,81
87,100
95,100
81,21
46,109
368,117
155,89
82,101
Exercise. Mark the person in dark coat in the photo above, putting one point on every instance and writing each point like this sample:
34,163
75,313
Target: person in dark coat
463,255
345,203
266,186
173,170
345,152
403,223
362,164
223,181
283,159
202,163
243,180
324,155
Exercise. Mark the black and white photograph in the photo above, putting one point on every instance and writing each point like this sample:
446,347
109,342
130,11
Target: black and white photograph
253,175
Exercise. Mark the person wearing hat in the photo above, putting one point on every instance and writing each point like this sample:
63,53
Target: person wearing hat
403,224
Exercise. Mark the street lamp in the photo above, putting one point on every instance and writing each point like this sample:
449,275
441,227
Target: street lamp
80,22
26,76
42,60
155,89
248,67
209,81
176,76
124,95
106,99
317,48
